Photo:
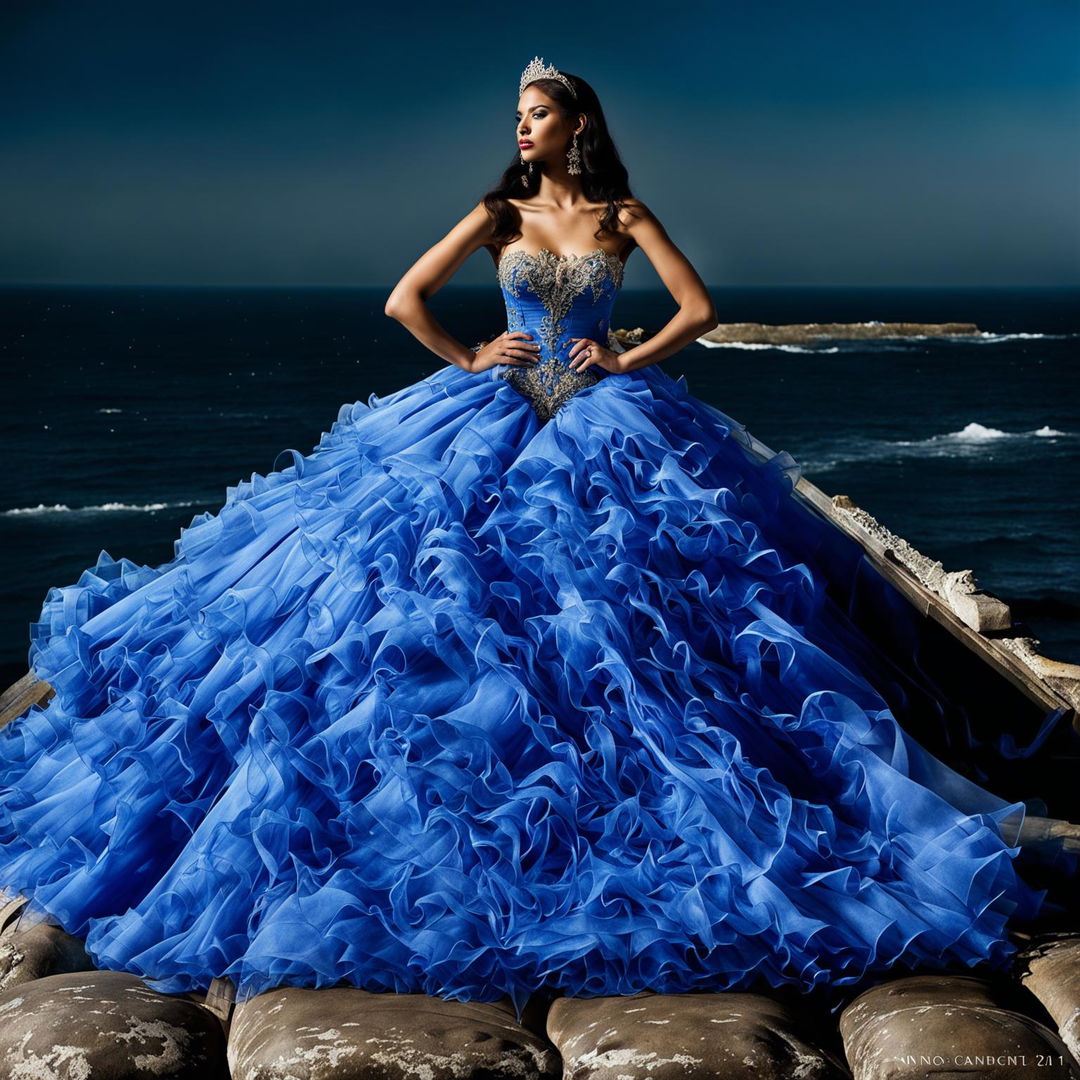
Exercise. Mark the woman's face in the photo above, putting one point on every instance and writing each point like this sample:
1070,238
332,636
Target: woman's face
541,126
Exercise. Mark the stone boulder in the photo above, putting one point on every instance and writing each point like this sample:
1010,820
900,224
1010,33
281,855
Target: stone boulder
1051,971
38,951
687,1036
345,1033
947,1025
106,1025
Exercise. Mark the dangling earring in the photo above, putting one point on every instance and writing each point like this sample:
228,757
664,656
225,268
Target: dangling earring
573,158
525,175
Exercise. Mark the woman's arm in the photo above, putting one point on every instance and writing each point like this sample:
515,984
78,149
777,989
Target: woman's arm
696,314
428,275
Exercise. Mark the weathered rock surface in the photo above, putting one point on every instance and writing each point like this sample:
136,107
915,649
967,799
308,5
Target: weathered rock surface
751,333
12,905
947,1026
105,1025
38,951
17,698
345,1033
687,1036
1053,975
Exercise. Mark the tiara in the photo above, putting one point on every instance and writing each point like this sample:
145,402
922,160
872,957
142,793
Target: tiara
537,70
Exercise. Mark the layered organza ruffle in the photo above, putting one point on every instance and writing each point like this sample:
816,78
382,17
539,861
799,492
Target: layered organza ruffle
469,704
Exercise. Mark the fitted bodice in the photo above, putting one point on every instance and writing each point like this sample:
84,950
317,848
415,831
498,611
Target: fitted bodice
556,298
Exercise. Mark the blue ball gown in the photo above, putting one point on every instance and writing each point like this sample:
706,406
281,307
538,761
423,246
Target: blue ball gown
517,681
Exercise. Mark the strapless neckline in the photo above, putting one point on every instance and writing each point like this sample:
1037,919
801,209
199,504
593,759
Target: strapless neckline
547,252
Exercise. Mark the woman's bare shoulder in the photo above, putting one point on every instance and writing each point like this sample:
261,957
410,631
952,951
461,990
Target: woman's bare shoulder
631,211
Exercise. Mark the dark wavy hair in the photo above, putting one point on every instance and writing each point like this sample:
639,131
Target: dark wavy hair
603,175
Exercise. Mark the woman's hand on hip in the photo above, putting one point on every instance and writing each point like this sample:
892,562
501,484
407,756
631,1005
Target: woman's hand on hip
586,352
509,347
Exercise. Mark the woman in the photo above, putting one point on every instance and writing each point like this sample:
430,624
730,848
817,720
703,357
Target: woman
566,206
527,677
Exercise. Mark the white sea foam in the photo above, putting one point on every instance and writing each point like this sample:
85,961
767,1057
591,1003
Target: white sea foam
988,337
973,432
763,345
97,508
972,439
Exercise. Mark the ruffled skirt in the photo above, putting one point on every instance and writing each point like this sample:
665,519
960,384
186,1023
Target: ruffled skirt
469,704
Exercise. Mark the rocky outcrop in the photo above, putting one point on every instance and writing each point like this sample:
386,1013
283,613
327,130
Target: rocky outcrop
751,333
957,598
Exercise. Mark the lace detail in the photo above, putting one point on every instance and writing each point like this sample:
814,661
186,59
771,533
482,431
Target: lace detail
549,384
557,281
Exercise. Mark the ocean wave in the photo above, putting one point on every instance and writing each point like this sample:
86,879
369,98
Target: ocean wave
764,345
971,439
976,432
97,508
988,337
979,337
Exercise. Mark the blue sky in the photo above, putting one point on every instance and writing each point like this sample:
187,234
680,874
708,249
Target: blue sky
780,143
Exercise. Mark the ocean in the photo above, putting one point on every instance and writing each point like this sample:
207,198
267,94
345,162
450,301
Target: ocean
132,409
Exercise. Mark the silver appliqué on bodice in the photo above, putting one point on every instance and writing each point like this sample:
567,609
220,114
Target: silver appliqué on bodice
556,280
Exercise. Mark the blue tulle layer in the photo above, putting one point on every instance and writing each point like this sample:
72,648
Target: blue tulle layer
469,704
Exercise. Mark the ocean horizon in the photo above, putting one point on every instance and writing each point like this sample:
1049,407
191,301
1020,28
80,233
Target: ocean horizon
135,407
